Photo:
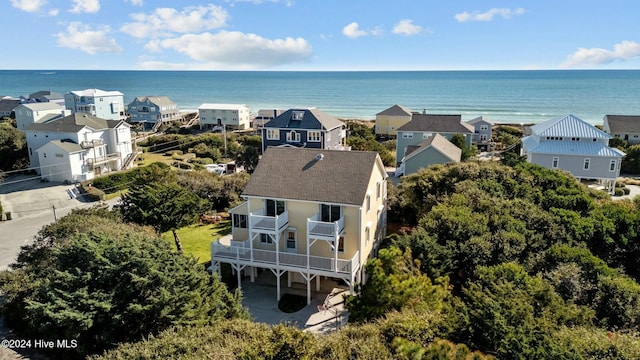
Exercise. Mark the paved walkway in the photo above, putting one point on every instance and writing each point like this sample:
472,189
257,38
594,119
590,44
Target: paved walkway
260,298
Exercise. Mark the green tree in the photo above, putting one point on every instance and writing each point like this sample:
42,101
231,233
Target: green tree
164,206
396,282
103,289
248,158
13,148
460,141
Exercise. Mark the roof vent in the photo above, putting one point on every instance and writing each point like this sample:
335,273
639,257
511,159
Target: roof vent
319,156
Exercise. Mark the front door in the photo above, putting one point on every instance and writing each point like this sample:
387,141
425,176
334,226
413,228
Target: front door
291,241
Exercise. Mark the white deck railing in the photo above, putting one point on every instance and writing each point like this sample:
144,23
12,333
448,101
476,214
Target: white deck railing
240,251
259,221
325,230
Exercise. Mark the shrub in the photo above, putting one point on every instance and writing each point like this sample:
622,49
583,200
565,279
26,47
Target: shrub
90,192
173,152
626,190
182,165
201,161
618,192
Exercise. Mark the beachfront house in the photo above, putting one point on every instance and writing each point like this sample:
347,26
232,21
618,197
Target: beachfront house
571,144
436,149
308,213
626,127
107,105
229,116
7,106
79,147
43,96
150,110
305,128
31,113
422,126
389,120
482,132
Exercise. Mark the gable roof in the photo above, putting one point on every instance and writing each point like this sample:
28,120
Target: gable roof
629,124
437,123
396,110
479,119
43,106
74,123
208,106
311,119
68,146
7,105
340,177
157,100
568,126
45,94
438,142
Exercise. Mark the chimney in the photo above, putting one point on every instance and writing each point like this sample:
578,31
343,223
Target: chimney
424,111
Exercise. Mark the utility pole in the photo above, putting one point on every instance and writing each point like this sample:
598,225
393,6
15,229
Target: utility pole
55,218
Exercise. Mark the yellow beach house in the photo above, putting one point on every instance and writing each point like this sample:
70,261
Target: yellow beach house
309,213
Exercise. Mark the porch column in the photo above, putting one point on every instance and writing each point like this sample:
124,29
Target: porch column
308,290
252,276
278,285
288,278
317,282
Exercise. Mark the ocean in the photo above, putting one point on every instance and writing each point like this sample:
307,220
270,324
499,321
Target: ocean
501,96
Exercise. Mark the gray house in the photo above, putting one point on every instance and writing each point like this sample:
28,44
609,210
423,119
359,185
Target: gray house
422,126
7,106
152,110
625,127
482,132
571,144
44,96
305,128
436,149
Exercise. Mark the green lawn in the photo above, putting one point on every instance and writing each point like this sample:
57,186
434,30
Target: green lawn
148,158
196,239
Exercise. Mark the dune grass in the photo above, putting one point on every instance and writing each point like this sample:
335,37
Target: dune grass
196,239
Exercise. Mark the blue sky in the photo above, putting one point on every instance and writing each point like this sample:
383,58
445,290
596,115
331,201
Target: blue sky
320,34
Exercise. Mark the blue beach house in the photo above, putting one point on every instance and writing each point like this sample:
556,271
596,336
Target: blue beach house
305,128
108,105
153,110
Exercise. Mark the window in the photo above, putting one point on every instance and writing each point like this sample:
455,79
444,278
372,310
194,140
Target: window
274,207
555,162
587,163
426,135
297,115
293,136
484,127
340,244
330,213
240,221
313,136
378,189
265,239
612,165
273,134
368,202
291,235
483,137
407,135
367,234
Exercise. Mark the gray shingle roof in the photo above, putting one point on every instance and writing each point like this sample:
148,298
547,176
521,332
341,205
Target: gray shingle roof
46,94
396,110
157,100
438,142
341,177
629,124
74,123
68,146
7,105
437,123
479,119
311,119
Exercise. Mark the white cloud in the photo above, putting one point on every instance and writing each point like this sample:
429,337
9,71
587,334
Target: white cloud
84,38
28,5
625,50
136,2
85,6
167,21
236,50
353,31
53,12
488,15
288,3
406,27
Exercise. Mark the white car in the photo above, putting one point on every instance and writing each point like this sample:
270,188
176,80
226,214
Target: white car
219,169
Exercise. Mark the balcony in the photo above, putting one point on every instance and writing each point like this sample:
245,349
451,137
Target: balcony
241,252
91,144
259,222
102,159
322,230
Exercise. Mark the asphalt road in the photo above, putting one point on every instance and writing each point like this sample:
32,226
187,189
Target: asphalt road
31,204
